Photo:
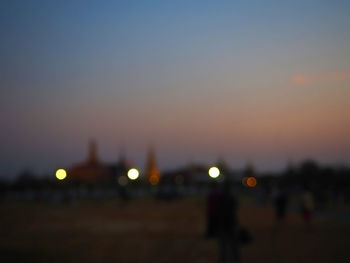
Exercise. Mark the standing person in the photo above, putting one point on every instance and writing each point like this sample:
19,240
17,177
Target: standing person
281,205
307,207
228,227
212,211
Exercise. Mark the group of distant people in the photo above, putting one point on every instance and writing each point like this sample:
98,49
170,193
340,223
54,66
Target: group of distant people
306,206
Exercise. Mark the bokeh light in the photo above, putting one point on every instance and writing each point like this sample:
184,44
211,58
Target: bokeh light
251,181
214,172
122,180
61,174
133,174
154,180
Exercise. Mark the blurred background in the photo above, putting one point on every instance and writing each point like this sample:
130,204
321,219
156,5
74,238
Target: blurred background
117,117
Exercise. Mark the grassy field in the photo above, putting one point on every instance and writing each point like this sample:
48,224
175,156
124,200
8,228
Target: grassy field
154,231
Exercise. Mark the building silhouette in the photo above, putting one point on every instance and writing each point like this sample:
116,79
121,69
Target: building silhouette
91,169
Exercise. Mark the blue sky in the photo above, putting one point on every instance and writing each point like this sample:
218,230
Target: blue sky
197,78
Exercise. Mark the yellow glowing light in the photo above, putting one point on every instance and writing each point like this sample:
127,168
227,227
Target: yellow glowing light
61,174
251,181
133,174
214,172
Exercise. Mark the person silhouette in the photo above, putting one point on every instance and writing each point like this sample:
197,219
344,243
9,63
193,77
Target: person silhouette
281,205
212,211
228,226
307,207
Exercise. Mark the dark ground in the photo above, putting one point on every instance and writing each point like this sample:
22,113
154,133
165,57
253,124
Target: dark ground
154,231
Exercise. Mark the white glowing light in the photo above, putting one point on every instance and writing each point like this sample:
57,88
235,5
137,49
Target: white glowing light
214,172
133,174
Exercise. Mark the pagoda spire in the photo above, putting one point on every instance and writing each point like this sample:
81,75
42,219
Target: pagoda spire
92,156
152,171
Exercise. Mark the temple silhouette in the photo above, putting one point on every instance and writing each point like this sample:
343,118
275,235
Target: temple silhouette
152,171
93,170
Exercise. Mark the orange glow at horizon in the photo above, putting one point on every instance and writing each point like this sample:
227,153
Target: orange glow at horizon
154,179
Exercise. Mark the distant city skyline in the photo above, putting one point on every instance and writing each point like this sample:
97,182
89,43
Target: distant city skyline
247,81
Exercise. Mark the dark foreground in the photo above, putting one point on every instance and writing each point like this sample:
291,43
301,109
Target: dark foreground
150,231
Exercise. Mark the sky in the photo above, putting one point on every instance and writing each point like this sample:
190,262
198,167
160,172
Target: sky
264,82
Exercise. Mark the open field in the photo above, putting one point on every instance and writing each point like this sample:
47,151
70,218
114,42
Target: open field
154,231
